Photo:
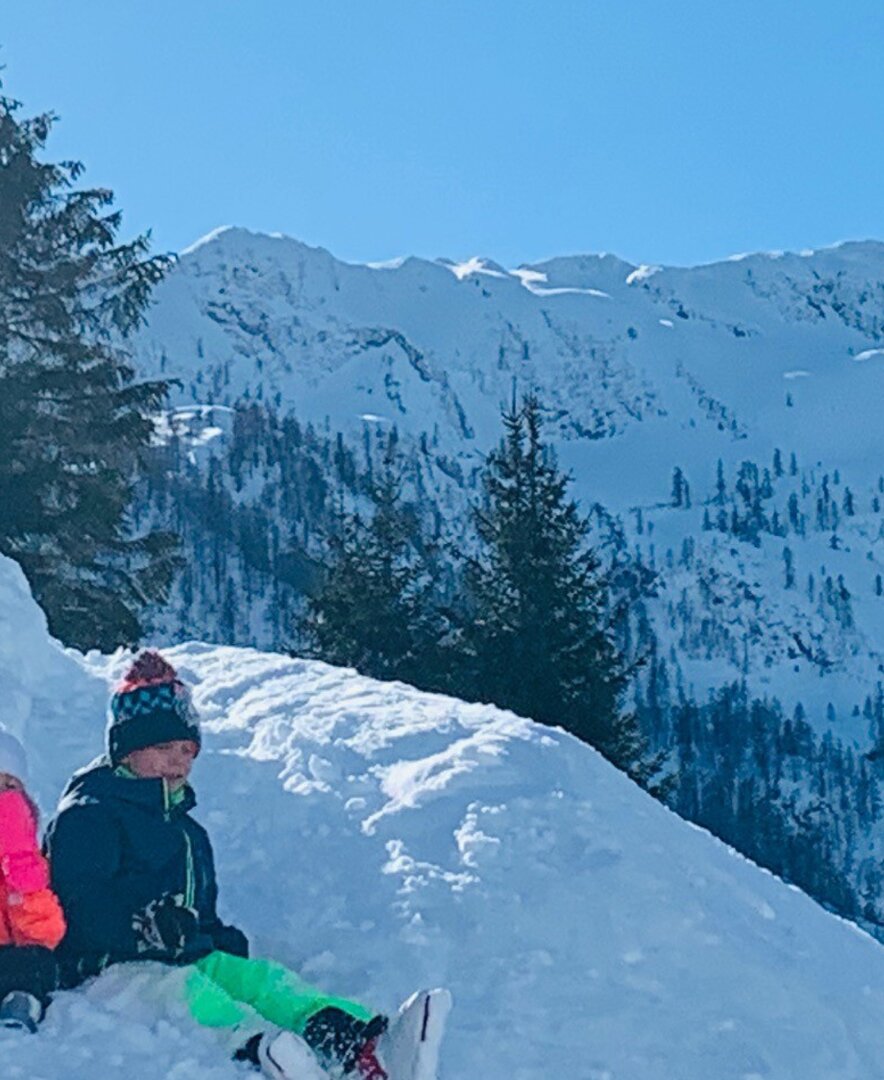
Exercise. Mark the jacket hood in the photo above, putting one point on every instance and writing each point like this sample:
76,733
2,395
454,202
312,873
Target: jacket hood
99,781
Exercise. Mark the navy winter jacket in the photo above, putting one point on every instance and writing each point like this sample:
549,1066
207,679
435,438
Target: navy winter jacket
115,845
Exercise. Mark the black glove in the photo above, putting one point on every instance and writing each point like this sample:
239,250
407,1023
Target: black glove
229,939
166,926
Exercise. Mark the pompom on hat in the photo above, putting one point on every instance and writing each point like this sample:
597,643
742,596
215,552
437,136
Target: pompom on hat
151,705
13,759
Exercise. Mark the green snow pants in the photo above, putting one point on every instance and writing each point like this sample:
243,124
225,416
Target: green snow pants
226,991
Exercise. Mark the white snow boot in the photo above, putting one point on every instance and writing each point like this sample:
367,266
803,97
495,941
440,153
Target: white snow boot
20,1010
283,1056
409,1049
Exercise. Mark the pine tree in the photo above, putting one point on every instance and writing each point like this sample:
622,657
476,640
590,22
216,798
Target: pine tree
678,487
537,635
73,422
373,608
720,484
789,567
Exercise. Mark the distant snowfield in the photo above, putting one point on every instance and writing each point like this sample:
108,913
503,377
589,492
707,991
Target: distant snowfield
378,838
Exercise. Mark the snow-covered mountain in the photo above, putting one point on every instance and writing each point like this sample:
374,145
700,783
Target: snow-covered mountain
378,838
771,364
722,421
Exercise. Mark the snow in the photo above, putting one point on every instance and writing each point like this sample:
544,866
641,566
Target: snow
196,424
642,273
210,237
378,838
530,277
475,265
566,290
388,264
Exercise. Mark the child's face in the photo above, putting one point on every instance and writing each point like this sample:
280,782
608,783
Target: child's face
170,761
8,782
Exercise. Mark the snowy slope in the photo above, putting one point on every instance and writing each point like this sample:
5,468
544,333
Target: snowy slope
379,838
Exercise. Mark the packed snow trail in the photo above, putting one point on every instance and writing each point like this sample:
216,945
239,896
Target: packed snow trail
379,839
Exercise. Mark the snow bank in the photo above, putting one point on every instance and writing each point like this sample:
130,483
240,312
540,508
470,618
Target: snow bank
45,693
379,838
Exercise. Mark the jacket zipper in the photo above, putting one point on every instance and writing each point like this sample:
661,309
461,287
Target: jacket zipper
190,890
189,883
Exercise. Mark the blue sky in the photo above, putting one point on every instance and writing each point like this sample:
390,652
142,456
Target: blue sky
676,132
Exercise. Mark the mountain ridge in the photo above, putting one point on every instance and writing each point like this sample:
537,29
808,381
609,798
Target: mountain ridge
737,361
866,246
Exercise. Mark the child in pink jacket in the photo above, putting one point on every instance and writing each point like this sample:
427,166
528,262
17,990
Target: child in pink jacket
31,919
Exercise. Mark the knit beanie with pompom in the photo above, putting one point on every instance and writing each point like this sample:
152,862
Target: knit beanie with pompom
151,705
